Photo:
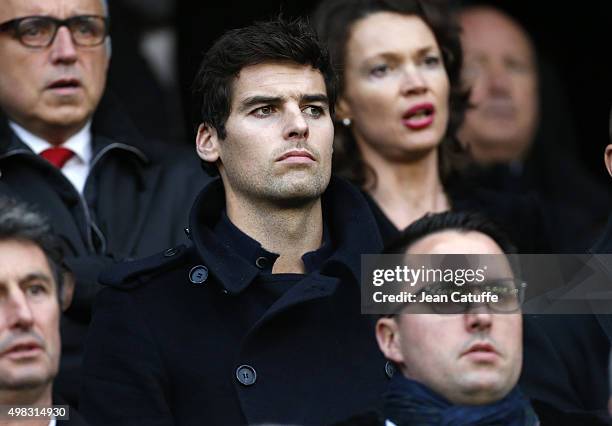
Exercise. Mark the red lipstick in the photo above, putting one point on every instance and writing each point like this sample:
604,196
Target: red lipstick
419,116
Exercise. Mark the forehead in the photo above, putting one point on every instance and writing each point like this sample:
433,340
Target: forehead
278,79
19,259
471,243
59,8
384,32
489,32
455,242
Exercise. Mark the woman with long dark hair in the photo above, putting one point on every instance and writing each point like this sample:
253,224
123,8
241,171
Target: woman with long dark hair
401,102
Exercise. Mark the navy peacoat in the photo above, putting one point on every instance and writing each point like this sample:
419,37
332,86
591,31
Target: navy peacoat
177,338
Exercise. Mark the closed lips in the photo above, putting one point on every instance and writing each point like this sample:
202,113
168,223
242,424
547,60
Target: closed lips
480,347
303,154
23,346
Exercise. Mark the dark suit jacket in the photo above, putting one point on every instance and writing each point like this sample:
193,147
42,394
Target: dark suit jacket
134,204
566,359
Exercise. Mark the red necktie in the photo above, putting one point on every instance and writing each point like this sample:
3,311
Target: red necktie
57,156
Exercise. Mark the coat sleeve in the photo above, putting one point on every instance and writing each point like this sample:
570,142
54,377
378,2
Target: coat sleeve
123,375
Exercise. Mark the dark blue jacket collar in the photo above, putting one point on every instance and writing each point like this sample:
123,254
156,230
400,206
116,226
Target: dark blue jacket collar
253,252
240,243
352,231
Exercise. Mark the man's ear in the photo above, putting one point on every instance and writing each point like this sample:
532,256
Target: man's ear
388,339
207,143
67,290
608,158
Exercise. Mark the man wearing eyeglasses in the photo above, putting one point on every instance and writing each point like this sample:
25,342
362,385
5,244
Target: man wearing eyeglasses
458,362
71,151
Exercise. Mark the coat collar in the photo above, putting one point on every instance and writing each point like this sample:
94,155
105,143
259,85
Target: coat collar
352,227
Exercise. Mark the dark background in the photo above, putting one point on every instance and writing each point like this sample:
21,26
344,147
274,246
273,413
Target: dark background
574,39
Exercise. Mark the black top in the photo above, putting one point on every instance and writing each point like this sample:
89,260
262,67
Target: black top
519,216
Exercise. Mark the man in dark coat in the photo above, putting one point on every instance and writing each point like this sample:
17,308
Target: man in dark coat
108,195
34,288
567,356
258,320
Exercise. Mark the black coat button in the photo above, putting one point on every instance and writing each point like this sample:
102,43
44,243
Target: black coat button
261,262
198,274
246,375
170,252
389,369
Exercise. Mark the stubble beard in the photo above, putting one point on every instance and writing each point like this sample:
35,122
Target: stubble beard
281,191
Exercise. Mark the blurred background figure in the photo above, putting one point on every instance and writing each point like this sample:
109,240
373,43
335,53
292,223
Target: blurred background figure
401,102
34,289
501,71
144,69
519,129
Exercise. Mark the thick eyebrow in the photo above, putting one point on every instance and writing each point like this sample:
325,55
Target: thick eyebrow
394,55
250,102
316,98
428,49
36,276
258,100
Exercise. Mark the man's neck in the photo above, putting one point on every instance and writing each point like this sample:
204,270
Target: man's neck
36,397
291,232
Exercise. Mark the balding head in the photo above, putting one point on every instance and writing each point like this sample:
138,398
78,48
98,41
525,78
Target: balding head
500,67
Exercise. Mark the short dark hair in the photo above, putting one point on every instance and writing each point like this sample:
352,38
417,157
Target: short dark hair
21,222
276,40
333,21
449,221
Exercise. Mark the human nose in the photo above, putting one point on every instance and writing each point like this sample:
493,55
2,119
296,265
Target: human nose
413,82
63,49
18,311
296,126
498,79
478,318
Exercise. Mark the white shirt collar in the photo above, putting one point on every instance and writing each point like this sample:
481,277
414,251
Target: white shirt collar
79,143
